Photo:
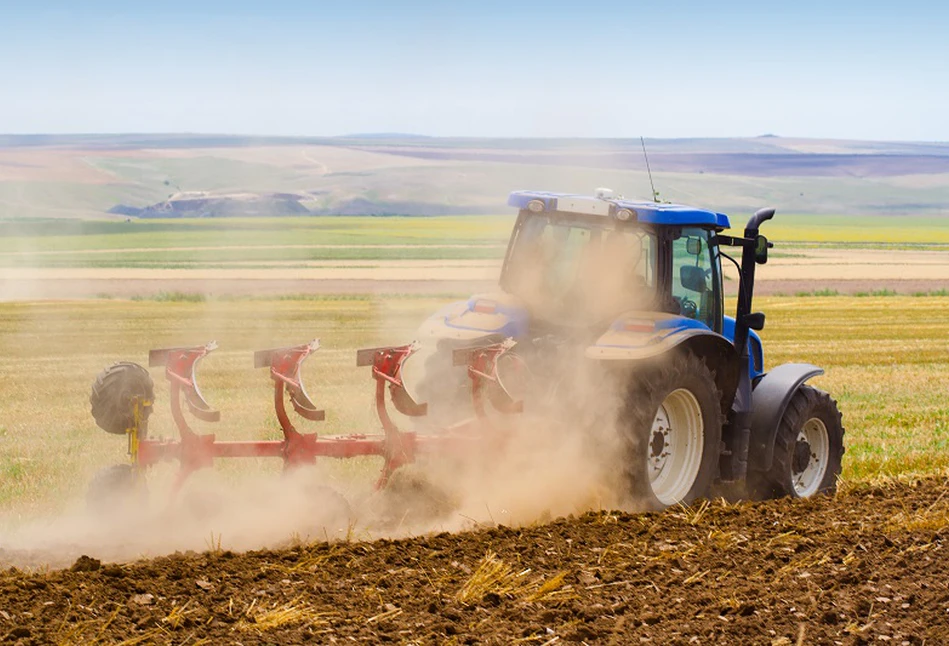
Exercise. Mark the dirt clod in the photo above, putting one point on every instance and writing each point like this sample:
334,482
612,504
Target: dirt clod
20,632
142,599
86,564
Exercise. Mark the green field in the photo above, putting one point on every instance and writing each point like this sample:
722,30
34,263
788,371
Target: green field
214,242
887,362
834,230
81,235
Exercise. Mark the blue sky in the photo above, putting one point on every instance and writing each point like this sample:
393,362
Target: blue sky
679,68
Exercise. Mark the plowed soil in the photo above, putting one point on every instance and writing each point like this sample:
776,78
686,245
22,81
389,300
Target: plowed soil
867,565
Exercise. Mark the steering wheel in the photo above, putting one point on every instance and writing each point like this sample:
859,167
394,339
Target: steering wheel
687,307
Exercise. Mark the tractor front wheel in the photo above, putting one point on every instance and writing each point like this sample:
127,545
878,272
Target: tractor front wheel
673,428
808,449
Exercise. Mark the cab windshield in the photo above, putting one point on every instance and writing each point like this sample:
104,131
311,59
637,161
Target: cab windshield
580,271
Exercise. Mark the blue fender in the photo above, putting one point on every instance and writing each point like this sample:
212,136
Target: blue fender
769,400
645,336
482,315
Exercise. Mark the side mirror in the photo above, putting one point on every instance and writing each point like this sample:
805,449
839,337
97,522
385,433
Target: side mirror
693,246
755,321
761,249
693,278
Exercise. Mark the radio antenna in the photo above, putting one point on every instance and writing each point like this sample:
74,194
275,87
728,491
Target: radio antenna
655,195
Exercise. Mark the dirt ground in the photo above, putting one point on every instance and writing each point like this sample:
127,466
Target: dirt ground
869,565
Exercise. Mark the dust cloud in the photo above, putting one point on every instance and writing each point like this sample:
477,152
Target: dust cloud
566,452
562,455
559,457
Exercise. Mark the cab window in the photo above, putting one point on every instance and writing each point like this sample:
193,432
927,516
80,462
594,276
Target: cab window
696,283
580,270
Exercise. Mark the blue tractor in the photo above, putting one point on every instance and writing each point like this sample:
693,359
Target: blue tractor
635,290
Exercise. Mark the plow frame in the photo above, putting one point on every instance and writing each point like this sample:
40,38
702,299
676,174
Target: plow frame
396,447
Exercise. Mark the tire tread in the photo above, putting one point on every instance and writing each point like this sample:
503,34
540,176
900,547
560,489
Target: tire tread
112,393
648,388
776,482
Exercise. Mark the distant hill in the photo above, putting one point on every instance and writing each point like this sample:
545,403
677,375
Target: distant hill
160,175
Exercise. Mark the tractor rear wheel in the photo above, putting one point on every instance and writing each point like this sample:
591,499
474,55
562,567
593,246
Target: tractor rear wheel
672,426
808,449
114,393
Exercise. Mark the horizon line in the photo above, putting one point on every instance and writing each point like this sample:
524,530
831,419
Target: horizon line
409,135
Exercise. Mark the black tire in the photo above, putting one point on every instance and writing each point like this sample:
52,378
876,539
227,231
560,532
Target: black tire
682,382
114,491
809,411
113,393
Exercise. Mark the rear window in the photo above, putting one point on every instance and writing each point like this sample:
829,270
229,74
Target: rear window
581,270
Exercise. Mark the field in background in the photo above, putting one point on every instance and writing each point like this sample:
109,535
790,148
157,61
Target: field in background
278,241
391,255
41,242
887,362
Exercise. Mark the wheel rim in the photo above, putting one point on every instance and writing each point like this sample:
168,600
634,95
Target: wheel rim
676,443
810,457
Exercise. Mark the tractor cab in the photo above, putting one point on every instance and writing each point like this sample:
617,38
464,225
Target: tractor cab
583,261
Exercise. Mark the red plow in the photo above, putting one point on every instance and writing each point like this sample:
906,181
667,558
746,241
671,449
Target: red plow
123,399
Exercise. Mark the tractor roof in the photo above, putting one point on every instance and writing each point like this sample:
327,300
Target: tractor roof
647,212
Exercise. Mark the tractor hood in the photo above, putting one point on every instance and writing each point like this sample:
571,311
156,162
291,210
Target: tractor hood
481,315
641,335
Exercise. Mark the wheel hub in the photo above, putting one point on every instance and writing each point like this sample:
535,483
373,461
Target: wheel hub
658,446
802,456
810,457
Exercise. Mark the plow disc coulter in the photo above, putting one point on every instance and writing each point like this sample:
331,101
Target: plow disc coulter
123,399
